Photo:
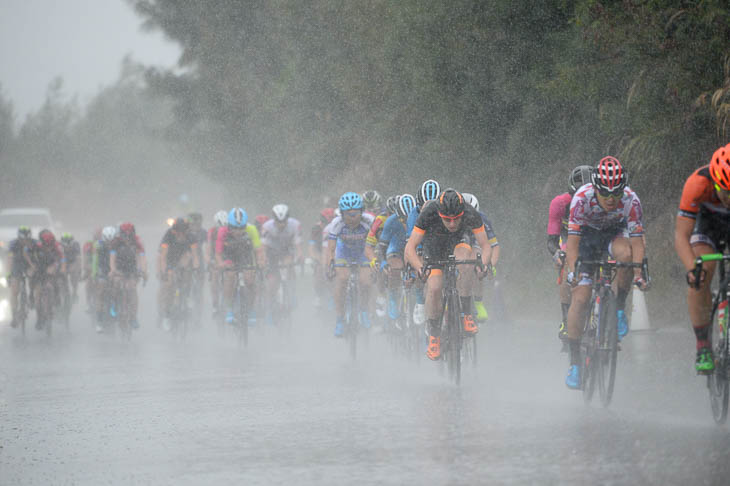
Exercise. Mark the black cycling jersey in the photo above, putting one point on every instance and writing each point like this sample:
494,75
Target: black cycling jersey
429,221
176,248
18,250
71,251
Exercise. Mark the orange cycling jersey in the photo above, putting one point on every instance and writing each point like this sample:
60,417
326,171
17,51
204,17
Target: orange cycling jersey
699,195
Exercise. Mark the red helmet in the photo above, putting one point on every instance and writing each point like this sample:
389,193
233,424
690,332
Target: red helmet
327,215
46,236
609,176
261,219
127,229
720,167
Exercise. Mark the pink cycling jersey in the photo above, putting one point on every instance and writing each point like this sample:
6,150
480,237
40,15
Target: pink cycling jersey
558,215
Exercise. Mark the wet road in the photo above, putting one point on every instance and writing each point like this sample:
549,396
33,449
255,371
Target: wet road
87,409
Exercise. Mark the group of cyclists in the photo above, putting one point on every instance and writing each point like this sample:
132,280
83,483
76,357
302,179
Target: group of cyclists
599,216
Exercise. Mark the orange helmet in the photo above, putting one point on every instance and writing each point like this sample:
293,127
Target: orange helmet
720,167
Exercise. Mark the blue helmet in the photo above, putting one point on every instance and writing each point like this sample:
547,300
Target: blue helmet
406,203
237,218
350,200
429,190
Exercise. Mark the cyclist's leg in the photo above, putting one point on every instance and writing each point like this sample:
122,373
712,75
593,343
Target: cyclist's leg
699,301
249,276
229,283
395,262
620,249
14,293
465,284
130,282
366,283
340,283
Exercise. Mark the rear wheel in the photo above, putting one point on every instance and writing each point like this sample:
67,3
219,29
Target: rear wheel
718,385
607,352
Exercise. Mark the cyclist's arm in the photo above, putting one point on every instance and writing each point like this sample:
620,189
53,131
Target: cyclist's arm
682,232
411,254
162,260
495,255
369,252
331,246
553,244
571,251
481,236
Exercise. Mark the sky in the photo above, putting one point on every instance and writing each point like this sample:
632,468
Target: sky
83,41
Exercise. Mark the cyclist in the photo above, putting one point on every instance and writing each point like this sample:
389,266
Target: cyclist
605,216
178,250
389,249
493,258
72,252
316,240
47,260
372,202
260,220
444,227
702,227
429,190
101,269
127,262
378,261
557,236
19,265
220,219
346,244
234,250
282,241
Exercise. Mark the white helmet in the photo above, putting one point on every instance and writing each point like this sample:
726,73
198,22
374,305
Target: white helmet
281,212
108,233
471,199
221,218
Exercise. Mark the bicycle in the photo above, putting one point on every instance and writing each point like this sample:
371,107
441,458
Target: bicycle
453,339
718,381
180,310
44,306
240,304
599,342
124,292
284,301
352,306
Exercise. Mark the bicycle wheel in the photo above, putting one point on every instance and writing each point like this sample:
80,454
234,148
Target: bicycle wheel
353,320
607,352
453,332
717,383
589,343
242,320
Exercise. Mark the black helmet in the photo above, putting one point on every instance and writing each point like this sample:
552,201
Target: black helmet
392,204
579,176
451,203
180,225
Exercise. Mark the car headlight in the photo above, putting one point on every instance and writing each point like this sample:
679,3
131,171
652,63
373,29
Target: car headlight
3,282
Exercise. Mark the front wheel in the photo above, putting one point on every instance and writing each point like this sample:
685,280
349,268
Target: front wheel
607,351
718,385
453,339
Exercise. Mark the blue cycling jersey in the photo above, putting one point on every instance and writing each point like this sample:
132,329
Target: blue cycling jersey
394,235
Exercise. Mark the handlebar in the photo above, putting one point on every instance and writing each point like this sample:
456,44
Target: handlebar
698,271
451,261
644,266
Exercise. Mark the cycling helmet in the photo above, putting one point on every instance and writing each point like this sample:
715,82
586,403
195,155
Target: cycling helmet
406,203
261,219
372,199
720,167
127,229
220,218
579,176
609,176
46,236
281,212
429,190
392,204
108,233
327,215
67,237
237,218
24,232
471,199
451,203
350,200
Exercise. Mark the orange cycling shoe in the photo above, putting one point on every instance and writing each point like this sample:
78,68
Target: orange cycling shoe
470,326
434,348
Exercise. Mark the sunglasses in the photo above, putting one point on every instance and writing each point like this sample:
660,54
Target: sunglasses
351,213
721,190
451,218
615,194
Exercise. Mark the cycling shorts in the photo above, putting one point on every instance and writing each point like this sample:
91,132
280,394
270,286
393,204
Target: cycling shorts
712,229
594,245
440,247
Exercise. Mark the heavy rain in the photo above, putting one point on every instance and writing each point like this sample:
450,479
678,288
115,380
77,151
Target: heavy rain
231,234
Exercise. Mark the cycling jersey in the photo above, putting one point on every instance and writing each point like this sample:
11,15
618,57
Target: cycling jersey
126,254
176,248
438,241
489,229
44,256
71,251
393,235
212,239
586,212
237,250
102,259
316,237
281,241
19,249
700,202
350,245
558,215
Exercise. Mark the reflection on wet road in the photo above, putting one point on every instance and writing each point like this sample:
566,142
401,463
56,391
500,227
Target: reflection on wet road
88,409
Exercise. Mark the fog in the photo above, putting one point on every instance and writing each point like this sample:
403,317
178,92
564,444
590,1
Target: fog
298,103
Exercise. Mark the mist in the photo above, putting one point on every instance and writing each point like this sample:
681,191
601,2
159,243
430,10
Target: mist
299,102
